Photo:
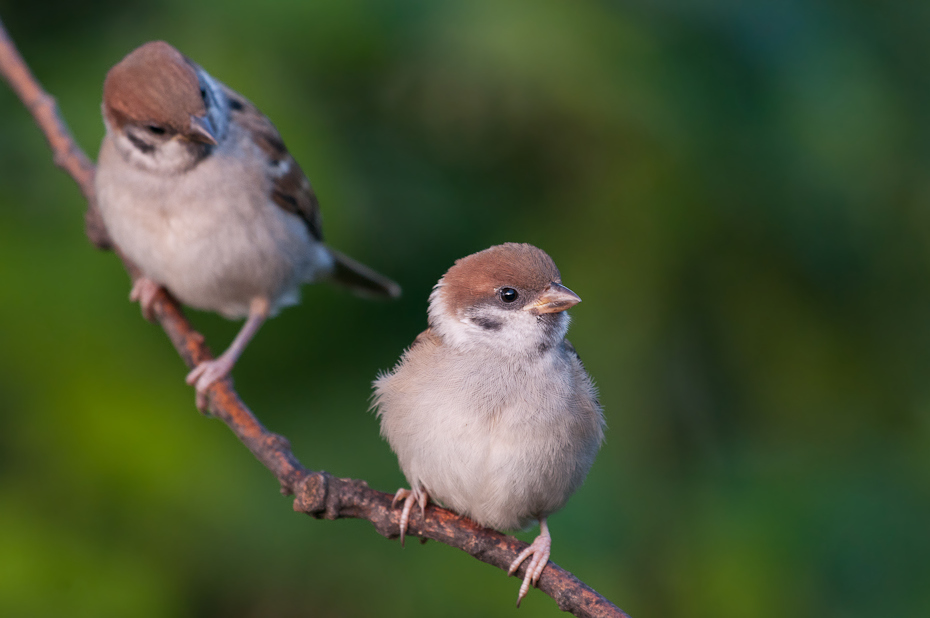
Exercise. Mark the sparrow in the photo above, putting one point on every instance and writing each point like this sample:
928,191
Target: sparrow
490,412
197,189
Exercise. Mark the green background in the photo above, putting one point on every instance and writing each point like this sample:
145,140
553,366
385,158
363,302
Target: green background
739,191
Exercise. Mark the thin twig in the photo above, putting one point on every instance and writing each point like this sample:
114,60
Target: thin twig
67,154
318,494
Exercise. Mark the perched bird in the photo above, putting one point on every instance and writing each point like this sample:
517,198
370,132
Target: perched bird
490,411
196,188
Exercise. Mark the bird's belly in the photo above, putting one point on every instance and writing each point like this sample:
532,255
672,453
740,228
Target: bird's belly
502,477
213,254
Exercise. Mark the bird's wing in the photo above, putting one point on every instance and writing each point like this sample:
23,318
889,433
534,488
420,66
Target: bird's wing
291,190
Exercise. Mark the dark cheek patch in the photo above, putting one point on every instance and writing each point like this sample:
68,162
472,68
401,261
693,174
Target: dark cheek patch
482,315
138,143
487,323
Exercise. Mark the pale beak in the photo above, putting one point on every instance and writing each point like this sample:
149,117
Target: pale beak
555,298
201,130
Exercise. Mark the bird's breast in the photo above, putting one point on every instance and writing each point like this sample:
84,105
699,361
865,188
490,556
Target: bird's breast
211,235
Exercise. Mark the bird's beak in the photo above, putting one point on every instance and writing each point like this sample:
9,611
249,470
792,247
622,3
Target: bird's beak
555,298
201,130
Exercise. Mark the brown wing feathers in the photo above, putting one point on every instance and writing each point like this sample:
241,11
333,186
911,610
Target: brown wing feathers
291,190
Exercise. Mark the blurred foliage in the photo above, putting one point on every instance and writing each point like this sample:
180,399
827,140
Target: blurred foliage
739,191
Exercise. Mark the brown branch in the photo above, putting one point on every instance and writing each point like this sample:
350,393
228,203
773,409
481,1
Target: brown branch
318,494
67,154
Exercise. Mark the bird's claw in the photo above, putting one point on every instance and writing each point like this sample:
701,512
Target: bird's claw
538,552
409,497
204,375
144,291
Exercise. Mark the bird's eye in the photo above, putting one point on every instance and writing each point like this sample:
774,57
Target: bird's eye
508,295
203,94
154,129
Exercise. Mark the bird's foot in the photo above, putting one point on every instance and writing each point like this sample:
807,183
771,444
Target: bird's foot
207,373
409,497
538,552
144,291
203,376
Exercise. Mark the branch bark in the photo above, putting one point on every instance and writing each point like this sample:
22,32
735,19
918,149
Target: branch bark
319,494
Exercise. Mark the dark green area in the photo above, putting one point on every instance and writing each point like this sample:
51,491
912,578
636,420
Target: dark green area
740,192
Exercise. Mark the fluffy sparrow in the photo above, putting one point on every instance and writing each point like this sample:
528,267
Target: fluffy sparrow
490,411
196,188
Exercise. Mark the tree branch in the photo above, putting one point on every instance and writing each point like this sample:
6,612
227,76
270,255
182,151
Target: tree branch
318,494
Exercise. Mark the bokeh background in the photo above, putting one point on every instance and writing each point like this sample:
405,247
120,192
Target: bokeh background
740,191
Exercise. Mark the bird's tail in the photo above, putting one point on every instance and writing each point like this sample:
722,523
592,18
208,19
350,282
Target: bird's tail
360,279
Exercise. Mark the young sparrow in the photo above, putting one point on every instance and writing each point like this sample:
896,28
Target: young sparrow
490,411
197,189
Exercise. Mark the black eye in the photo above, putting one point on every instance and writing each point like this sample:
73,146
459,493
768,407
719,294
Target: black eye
508,295
203,94
155,129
